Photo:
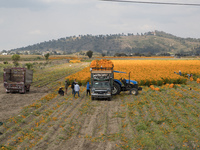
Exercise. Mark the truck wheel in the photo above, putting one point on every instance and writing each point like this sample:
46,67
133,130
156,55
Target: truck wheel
134,91
116,89
109,98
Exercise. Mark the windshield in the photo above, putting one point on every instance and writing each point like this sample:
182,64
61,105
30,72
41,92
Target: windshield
101,85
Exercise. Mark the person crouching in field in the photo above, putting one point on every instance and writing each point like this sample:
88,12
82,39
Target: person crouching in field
76,89
88,89
60,91
66,86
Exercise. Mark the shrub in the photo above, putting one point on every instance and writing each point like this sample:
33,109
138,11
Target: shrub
147,83
29,65
153,82
15,59
141,126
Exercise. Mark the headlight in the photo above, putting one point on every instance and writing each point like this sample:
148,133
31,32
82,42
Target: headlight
108,91
93,90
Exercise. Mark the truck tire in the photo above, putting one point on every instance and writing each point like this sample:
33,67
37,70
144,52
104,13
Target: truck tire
28,89
92,98
134,91
109,98
116,89
24,90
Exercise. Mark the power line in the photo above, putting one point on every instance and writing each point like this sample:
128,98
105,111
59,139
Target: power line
160,3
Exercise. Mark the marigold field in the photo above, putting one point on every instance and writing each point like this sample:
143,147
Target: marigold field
149,72
164,115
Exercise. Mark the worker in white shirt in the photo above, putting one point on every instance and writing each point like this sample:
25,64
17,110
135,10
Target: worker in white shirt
76,89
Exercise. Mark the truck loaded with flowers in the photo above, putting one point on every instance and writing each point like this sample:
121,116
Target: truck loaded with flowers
103,84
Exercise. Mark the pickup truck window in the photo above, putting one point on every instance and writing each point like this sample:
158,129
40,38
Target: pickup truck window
101,85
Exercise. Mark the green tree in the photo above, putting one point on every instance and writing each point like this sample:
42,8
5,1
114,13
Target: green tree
89,53
47,56
29,65
15,59
103,54
5,62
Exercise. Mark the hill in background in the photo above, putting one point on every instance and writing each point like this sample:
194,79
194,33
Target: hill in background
153,43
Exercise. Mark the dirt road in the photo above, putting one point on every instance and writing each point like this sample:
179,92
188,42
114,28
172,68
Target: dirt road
11,103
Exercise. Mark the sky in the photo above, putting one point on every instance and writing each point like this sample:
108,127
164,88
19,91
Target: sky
27,22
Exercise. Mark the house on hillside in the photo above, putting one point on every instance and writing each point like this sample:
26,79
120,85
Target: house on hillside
4,54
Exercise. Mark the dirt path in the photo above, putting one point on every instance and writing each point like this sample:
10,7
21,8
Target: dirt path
11,103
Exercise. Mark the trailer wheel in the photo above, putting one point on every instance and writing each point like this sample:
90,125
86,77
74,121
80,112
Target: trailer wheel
134,91
28,89
116,89
24,90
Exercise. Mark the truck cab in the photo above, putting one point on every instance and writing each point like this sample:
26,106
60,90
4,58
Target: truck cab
101,84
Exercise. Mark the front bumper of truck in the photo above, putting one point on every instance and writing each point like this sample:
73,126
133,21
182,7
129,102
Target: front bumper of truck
96,95
101,93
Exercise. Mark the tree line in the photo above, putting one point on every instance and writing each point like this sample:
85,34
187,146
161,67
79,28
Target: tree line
157,42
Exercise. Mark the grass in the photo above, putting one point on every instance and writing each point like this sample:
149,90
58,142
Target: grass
22,57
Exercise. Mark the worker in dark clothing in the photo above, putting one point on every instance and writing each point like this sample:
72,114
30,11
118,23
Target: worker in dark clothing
66,86
124,81
61,92
88,89
72,86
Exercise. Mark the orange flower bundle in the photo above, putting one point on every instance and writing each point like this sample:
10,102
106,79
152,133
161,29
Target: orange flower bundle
157,89
198,80
171,85
154,88
103,63
75,61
